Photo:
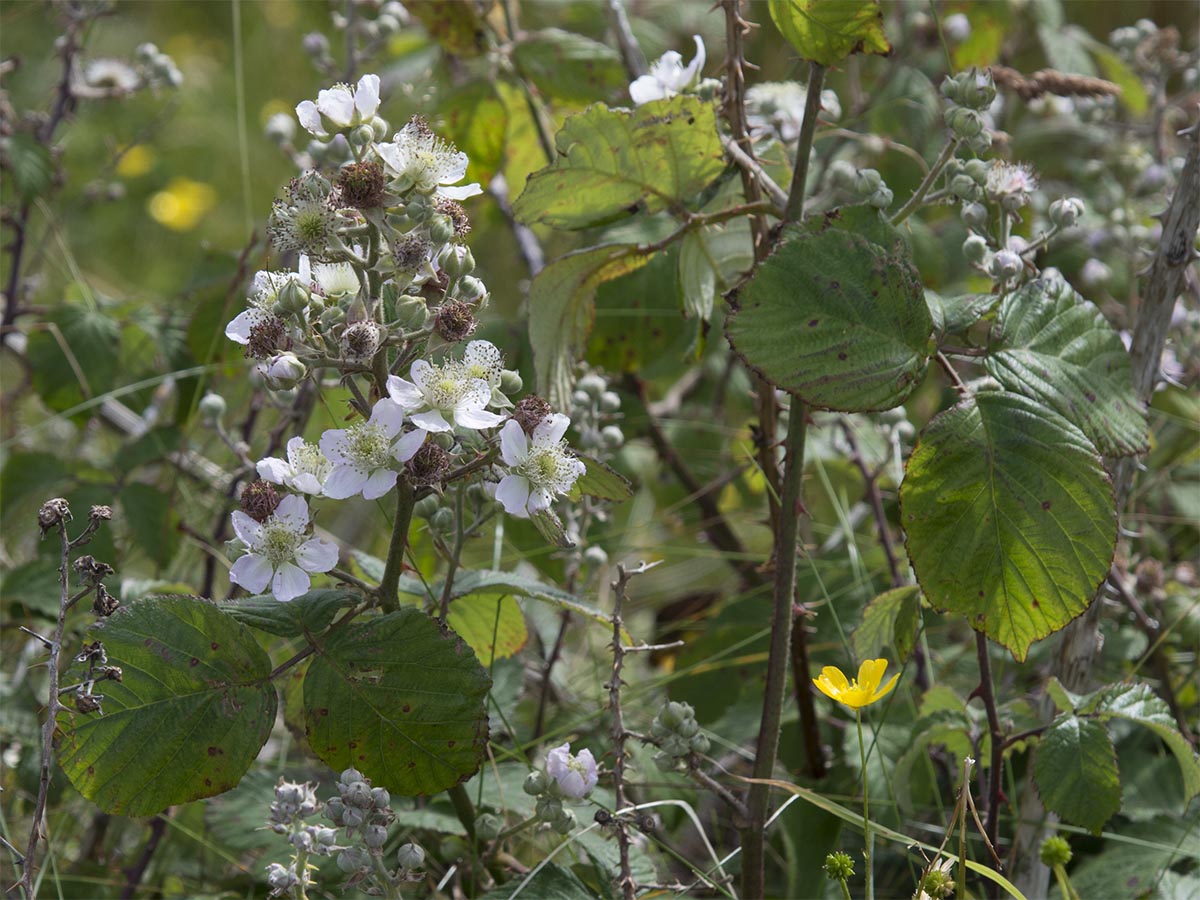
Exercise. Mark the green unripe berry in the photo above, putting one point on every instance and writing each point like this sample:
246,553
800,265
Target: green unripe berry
212,407
1055,851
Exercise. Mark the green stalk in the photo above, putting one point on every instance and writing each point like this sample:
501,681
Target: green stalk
388,594
862,755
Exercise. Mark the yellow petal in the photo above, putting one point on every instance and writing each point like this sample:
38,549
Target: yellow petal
886,689
836,679
870,673
825,687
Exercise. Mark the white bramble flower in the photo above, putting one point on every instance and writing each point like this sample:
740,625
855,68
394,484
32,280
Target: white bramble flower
1010,184
341,107
668,76
111,75
263,294
418,156
280,553
540,466
304,470
575,774
362,454
483,359
449,390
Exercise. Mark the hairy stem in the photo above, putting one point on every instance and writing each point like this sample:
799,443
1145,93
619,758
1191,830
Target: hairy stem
987,694
914,202
862,756
388,595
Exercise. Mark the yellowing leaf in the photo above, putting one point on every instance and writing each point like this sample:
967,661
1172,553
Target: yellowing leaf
827,31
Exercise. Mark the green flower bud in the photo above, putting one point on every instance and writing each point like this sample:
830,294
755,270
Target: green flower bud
488,827
426,507
442,520
1055,851
412,313
410,857
610,401
380,798
700,743
362,135
664,762
612,436
881,199
867,182
283,371
212,407
951,89
380,128
979,90
975,215
565,823
839,866
456,260
966,188
977,169
374,836
332,317
535,783
441,228
351,860
548,808
511,381
592,384
472,290
595,556
974,248
688,728
1066,212
965,123
292,299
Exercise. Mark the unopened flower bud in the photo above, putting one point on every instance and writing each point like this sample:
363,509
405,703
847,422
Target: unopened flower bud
334,809
511,381
977,169
211,407
472,290
280,878
974,248
1066,212
867,182
975,215
353,817
592,384
965,187
456,260
1005,265
881,199
380,798
566,822
283,371
412,313
535,783
315,44
700,743
610,401
441,228
488,827
442,521
410,856
291,300
374,836
351,860
595,556
548,808
965,123
979,90
951,89
612,436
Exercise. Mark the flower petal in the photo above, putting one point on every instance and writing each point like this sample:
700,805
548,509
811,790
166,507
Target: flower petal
514,446
696,66
835,678
433,420
388,415
404,392
886,689
253,572
239,329
337,105
366,96
870,673
513,493
315,555
306,483
379,483
477,418
344,481
310,118
461,193
422,372
645,89
539,499
550,430
408,445
248,531
293,512
289,582
331,444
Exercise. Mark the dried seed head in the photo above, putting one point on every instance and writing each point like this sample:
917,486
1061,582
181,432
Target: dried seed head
53,513
105,603
454,321
100,513
530,411
267,338
259,500
88,703
92,570
362,184
428,464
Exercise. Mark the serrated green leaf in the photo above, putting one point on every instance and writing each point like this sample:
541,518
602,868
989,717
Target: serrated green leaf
711,261
568,66
836,320
890,620
491,623
186,721
958,312
827,31
401,699
1075,769
1060,350
1139,704
562,308
614,162
1009,517
310,613
28,159
601,481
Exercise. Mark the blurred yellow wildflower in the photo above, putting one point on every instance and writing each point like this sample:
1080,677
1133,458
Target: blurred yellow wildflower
182,203
136,160
863,691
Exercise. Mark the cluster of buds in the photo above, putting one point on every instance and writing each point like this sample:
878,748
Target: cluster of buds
567,776
869,185
678,736
365,812
293,804
595,409
970,94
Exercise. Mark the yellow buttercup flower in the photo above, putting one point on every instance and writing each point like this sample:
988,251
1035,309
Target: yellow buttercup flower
863,691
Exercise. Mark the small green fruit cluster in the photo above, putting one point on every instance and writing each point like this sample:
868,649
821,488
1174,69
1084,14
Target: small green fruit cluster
678,735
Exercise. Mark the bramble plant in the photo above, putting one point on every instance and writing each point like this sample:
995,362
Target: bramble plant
880,357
